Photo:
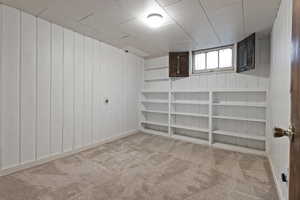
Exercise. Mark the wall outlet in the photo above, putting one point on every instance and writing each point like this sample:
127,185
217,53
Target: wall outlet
285,176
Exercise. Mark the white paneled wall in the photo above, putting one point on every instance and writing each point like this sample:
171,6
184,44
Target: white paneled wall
10,87
68,89
87,91
43,87
97,92
79,90
54,83
28,87
57,64
280,103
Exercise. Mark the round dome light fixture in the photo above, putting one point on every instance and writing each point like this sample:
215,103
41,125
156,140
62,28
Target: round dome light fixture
155,20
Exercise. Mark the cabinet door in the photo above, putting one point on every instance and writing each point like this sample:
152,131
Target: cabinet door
179,64
246,54
251,51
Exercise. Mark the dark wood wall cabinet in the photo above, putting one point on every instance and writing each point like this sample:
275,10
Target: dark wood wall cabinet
178,64
246,54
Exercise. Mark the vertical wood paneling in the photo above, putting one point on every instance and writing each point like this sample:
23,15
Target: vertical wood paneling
28,87
10,87
106,127
68,130
57,89
96,94
87,91
126,94
1,83
131,91
43,87
52,88
115,91
79,90
93,66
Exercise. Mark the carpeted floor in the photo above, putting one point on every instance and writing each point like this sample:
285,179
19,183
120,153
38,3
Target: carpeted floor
145,167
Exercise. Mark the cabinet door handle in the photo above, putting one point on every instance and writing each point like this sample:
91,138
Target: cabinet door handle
178,65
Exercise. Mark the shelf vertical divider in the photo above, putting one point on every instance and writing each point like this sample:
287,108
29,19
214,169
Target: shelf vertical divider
267,124
170,130
210,121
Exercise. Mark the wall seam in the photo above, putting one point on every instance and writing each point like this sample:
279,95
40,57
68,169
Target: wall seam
1,81
84,90
36,90
51,93
73,145
20,86
63,92
92,92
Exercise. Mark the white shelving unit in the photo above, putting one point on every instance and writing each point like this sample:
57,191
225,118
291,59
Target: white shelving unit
241,104
234,134
191,102
155,111
190,114
154,123
155,103
224,119
239,118
233,119
190,128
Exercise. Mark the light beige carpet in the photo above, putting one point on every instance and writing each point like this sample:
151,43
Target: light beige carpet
145,167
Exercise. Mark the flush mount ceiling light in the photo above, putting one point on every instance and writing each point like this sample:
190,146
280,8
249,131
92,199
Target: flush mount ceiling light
154,20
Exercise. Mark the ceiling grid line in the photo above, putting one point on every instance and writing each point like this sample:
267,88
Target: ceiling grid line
41,12
209,21
85,17
181,27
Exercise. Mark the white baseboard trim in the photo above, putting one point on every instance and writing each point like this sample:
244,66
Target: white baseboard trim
277,183
4,172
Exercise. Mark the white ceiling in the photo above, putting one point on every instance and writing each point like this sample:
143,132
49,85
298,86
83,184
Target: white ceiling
188,24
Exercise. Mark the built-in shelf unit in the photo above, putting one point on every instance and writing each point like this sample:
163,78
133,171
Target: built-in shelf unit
155,102
228,118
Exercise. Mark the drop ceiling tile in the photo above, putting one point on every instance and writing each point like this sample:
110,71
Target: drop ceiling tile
227,21
167,2
140,9
33,7
146,46
181,46
163,37
74,9
214,5
191,17
260,15
171,34
86,30
107,16
114,35
61,20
